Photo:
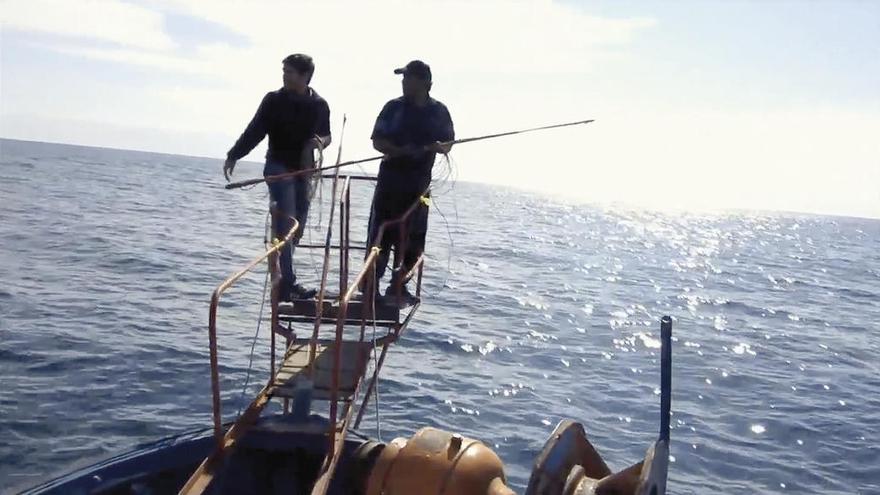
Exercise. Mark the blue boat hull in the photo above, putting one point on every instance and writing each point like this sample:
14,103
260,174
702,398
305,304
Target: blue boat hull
268,460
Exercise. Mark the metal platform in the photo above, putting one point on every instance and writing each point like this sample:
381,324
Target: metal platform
327,365
306,310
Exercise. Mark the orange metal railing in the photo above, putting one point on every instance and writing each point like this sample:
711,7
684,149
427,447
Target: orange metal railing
272,254
346,291
345,298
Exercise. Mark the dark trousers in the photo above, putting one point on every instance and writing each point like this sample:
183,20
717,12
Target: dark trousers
408,244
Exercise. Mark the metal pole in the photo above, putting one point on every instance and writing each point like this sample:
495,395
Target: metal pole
665,376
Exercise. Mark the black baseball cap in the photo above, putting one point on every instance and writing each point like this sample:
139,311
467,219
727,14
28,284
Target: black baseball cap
416,68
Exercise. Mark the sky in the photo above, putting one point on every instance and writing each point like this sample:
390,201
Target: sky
768,105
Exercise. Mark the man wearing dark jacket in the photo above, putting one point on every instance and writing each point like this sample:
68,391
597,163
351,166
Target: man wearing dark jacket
410,131
297,120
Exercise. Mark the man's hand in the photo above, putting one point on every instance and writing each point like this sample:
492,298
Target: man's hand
439,147
307,158
228,167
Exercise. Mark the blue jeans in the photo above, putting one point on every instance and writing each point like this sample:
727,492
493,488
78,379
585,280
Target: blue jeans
291,197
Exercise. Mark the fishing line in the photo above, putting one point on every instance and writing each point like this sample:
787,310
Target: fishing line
266,233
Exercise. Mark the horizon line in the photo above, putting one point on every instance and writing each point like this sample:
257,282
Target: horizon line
562,197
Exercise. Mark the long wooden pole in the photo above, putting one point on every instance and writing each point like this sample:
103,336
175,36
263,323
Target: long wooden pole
273,178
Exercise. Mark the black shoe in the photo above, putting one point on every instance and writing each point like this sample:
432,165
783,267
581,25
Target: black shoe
406,299
297,291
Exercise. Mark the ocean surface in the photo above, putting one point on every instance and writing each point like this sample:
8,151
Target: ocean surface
535,310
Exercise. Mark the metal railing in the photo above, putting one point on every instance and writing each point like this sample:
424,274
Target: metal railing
362,280
272,255
347,289
204,474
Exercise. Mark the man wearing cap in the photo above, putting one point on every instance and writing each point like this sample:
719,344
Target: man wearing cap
410,131
297,121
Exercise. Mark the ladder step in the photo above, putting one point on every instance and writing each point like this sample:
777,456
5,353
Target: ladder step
289,427
344,395
350,352
297,344
297,368
330,310
321,380
333,321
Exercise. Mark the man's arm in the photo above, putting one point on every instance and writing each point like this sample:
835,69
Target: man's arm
323,141
321,138
383,131
386,147
249,139
445,133
307,158
322,131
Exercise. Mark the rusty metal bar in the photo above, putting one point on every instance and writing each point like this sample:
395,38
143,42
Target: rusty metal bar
326,266
360,415
204,474
346,233
343,238
274,322
332,246
421,265
322,484
400,260
275,277
406,214
378,241
319,309
212,325
343,304
337,351
385,342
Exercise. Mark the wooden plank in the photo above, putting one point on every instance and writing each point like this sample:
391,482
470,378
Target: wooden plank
320,376
322,383
352,368
351,352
